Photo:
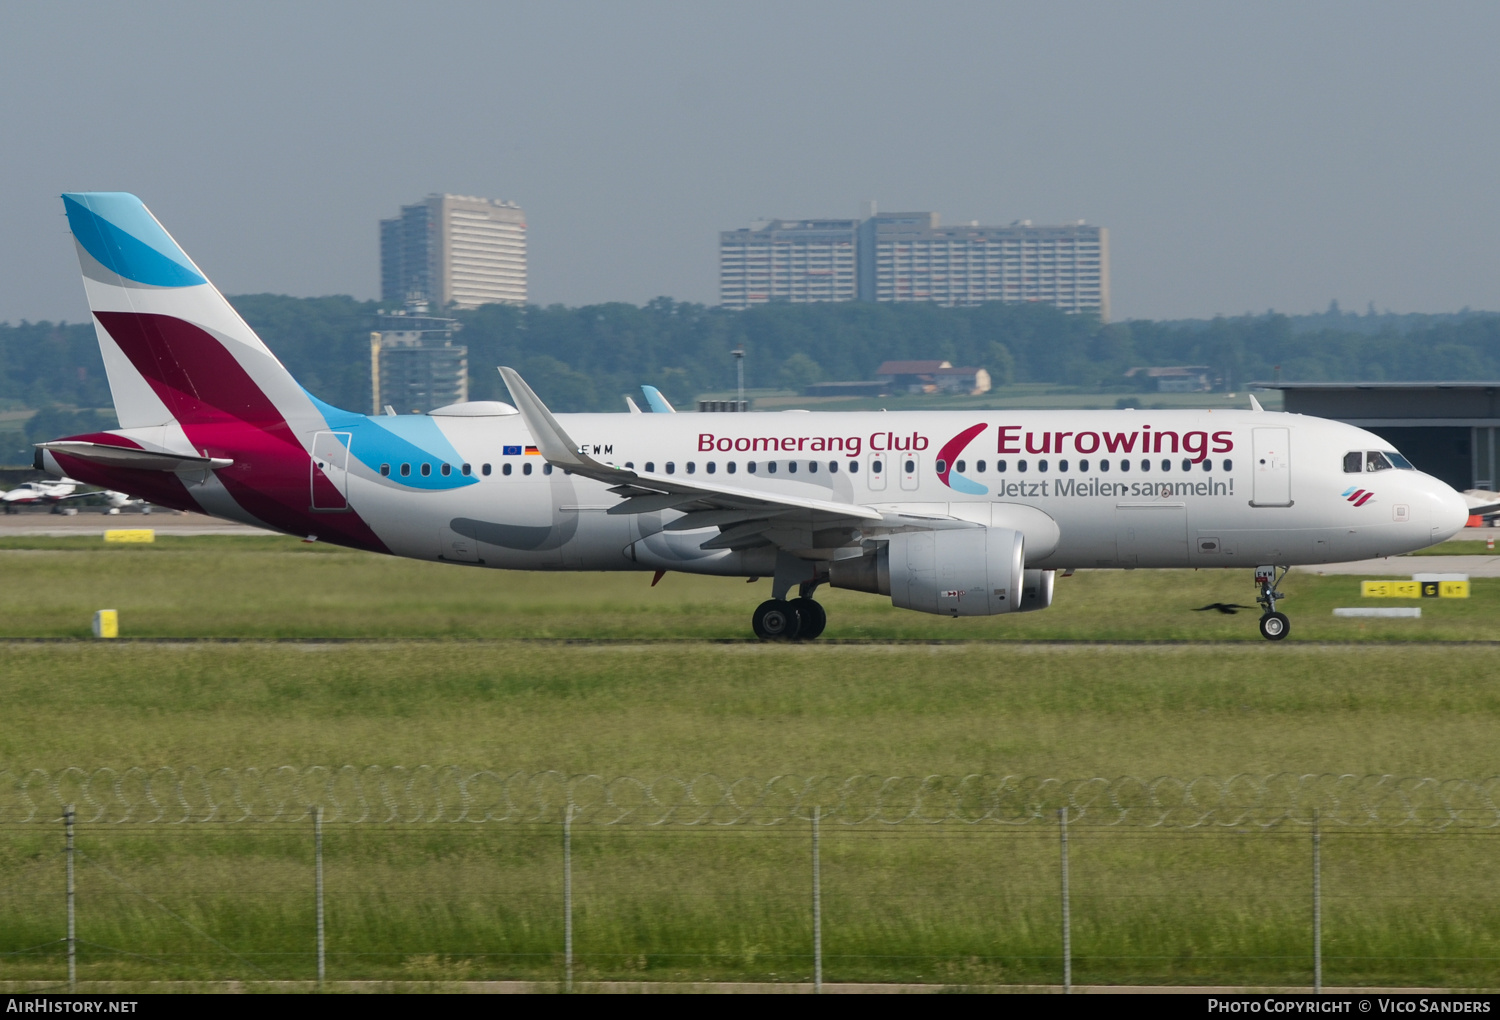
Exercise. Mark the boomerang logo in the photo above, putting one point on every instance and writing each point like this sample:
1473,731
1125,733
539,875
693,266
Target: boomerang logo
949,453
1359,497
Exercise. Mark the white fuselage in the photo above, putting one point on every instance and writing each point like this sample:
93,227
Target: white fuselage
1125,488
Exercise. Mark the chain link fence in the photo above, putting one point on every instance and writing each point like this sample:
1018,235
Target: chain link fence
429,794
440,874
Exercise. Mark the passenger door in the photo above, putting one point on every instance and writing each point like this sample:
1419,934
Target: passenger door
330,471
1272,464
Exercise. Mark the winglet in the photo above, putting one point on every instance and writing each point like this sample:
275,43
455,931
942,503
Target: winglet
656,401
1254,404
556,445
634,408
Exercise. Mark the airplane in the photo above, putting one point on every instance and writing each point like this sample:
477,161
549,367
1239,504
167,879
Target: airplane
55,493
953,513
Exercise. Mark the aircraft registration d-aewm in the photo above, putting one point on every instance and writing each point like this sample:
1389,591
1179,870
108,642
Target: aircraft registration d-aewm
956,513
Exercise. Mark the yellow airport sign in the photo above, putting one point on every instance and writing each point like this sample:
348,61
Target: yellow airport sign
1414,589
130,535
107,623
1390,589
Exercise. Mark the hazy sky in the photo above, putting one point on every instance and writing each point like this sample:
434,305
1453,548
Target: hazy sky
1243,156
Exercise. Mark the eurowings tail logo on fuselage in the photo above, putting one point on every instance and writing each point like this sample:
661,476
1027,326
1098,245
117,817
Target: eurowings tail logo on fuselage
1359,497
950,452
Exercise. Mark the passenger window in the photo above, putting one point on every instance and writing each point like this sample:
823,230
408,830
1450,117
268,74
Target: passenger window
1353,462
791,467
467,469
1021,466
1187,465
671,467
942,465
750,467
446,470
1228,465
833,467
526,468
770,467
854,467
812,467
405,470
650,465
1375,461
979,466
730,467
911,466
426,470
546,469
1041,465
1104,464
1083,465
385,471
1166,465
1145,464
1062,465
1000,466
1124,464
504,469
692,467
959,467
712,467
875,467
630,464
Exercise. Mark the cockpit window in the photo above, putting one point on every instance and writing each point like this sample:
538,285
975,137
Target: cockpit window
1400,461
1354,462
1375,461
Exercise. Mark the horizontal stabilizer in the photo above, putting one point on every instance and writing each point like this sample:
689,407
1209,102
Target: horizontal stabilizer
129,457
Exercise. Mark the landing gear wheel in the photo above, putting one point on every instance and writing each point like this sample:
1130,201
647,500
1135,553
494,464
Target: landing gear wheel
776,620
1274,626
813,618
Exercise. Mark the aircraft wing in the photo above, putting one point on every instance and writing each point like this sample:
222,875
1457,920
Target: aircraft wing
1482,502
745,517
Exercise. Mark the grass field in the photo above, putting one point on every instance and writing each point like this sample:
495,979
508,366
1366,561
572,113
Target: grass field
452,666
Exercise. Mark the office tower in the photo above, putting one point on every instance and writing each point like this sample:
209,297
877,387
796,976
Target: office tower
414,363
912,257
454,251
788,261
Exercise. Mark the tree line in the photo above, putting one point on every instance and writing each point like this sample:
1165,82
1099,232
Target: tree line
584,358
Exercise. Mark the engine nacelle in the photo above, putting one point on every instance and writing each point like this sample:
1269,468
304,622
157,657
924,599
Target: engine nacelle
1036,590
962,572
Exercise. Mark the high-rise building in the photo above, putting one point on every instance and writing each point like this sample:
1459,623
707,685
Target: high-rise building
454,251
414,363
912,257
788,261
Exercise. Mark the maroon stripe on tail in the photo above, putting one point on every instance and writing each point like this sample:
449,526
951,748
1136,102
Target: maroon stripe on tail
190,369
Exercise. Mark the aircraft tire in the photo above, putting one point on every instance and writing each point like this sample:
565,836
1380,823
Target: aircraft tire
812,616
1274,626
776,620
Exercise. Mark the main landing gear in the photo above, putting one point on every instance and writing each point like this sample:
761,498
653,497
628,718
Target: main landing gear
798,619
1273,625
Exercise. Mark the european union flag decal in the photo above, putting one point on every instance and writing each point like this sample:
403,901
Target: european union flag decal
511,451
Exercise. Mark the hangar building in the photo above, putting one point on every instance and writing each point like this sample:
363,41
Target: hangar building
1448,429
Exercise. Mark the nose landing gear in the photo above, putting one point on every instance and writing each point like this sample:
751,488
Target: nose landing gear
1273,625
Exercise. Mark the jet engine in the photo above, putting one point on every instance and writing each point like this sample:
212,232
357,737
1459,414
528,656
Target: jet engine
1036,590
962,572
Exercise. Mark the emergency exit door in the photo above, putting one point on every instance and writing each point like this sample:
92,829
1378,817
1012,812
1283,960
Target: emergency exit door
1272,467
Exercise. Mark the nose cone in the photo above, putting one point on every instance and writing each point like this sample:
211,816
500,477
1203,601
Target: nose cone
1450,512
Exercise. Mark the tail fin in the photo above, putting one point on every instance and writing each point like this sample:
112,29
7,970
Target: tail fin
174,349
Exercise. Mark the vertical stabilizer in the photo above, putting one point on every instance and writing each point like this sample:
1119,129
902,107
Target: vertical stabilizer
174,349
